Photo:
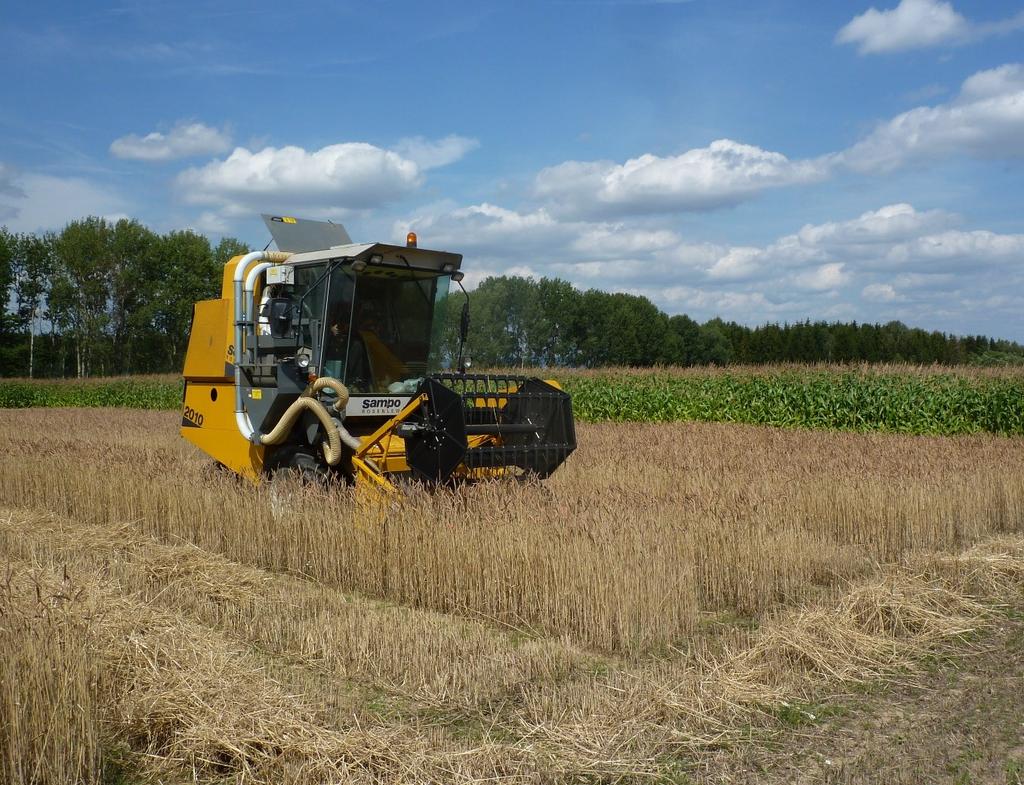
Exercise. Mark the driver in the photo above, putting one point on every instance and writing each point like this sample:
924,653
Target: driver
348,357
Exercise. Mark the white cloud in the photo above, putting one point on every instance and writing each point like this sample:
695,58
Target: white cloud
723,173
430,154
339,177
488,228
918,24
896,237
993,83
758,306
332,181
616,241
737,264
893,237
880,293
985,120
32,202
976,248
8,186
213,223
923,281
895,262
888,224
913,24
538,237
823,278
184,140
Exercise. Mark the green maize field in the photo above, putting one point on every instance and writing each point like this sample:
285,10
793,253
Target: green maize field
894,399
142,392
850,400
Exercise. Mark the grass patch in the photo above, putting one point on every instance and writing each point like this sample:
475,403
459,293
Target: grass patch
799,715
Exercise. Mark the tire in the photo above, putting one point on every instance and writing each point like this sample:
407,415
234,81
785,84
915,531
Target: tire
302,464
294,473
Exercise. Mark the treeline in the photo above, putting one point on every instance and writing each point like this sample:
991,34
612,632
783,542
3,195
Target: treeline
522,322
103,298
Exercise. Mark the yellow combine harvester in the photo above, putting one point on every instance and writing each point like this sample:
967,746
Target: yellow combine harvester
324,358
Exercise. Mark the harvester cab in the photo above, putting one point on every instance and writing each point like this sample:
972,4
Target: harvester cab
326,357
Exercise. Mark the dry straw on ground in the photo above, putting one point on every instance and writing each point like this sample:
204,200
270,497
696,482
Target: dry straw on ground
49,728
671,585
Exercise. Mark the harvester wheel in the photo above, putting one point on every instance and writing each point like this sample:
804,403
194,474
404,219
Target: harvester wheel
293,471
302,464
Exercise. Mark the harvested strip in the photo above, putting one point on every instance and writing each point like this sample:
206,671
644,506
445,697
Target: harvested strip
692,704
186,699
431,658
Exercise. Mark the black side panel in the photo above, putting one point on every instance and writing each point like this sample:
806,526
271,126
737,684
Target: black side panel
534,422
540,433
437,447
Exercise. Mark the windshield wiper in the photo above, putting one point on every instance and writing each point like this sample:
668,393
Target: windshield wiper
419,288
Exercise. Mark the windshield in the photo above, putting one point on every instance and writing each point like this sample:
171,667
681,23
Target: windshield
310,294
382,328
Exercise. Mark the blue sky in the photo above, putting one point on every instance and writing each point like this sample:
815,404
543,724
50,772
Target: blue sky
768,161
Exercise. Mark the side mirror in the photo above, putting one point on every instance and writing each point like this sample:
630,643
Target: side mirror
280,316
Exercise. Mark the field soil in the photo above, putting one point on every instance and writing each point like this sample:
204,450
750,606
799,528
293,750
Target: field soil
960,721
679,603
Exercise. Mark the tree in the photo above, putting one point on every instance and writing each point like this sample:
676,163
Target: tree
132,268
34,264
227,249
78,298
551,317
623,329
590,333
120,298
188,272
689,335
714,346
639,333
501,308
444,348
7,242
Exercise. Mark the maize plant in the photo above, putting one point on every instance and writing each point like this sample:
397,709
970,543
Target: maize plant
892,399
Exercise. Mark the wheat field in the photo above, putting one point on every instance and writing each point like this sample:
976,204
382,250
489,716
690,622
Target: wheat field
659,597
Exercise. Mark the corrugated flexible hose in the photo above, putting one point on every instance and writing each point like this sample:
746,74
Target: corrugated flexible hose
335,434
341,391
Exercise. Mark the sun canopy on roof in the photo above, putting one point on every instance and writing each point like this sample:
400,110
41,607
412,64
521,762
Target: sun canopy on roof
297,235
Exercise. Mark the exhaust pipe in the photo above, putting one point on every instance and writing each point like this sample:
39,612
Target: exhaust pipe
240,283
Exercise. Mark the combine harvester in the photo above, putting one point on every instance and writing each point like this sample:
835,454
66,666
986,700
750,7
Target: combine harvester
323,358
